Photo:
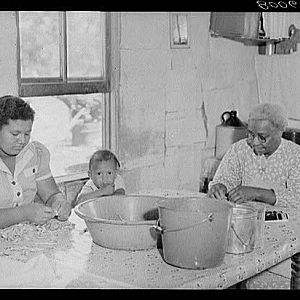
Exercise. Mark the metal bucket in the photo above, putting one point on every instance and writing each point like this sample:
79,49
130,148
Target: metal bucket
194,231
242,232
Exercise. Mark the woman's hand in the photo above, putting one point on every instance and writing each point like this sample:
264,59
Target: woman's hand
249,193
217,191
61,207
242,194
38,213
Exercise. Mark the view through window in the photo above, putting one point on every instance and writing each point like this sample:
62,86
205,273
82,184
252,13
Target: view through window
63,76
71,127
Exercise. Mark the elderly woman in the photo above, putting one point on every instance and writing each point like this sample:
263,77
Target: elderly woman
263,167
24,170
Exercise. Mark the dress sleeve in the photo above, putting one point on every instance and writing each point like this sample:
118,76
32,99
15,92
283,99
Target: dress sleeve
229,170
43,162
288,195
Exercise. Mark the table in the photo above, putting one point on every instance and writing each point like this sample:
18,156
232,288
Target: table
79,263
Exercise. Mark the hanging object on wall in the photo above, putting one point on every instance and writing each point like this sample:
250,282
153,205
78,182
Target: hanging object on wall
179,30
272,32
283,46
238,26
289,45
281,33
275,25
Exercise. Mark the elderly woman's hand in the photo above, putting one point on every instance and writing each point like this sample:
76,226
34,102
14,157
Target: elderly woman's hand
242,194
217,191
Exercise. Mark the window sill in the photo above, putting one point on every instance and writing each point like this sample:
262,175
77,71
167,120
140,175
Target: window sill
54,89
71,178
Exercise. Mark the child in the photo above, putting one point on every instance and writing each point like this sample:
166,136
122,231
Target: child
104,178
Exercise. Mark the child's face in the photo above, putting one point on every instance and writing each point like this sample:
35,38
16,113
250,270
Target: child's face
103,173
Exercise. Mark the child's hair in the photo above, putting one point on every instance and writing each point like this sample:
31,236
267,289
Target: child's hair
103,155
14,108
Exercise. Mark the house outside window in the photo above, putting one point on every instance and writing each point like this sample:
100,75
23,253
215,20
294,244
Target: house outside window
63,72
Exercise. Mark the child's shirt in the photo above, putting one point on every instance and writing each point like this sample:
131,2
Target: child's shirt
32,165
91,187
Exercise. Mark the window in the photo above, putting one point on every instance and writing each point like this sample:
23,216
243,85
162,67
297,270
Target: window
64,74
179,32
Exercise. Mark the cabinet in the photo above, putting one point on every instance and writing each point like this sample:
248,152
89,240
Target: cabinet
272,33
239,26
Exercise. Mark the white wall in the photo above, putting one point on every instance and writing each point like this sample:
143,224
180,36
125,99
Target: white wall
164,92
8,53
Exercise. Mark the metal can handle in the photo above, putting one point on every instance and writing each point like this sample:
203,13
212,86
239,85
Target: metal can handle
161,230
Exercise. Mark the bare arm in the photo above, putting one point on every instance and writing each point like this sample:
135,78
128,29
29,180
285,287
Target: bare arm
106,191
10,216
120,191
33,212
46,188
50,194
94,194
248,193
242,194
265,195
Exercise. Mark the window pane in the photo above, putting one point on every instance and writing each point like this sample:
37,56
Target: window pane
179,26
71,127
86,33
39,44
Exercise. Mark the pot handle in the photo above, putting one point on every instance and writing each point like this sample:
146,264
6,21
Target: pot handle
161,230
239,238
223,119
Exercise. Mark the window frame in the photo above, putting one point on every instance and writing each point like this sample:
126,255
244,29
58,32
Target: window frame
105,86
172,18
35,87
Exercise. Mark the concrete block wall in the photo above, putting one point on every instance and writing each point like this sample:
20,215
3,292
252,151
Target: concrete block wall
8,53
171,99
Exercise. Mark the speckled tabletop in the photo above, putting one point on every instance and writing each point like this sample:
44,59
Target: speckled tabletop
77,262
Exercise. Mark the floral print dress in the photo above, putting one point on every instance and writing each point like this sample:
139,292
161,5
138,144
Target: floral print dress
280,171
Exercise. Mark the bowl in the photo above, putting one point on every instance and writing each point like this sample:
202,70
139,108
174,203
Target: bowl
123,222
